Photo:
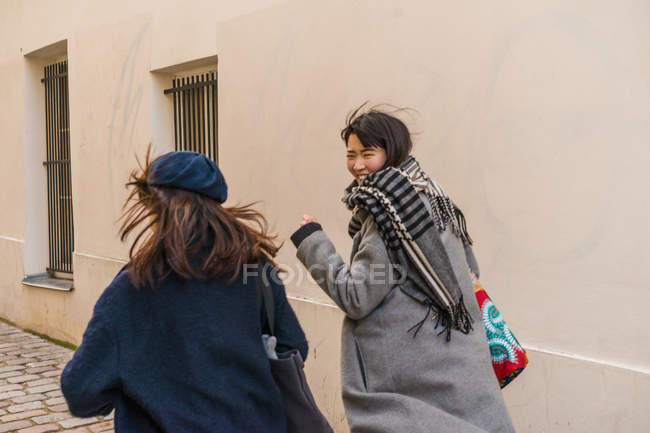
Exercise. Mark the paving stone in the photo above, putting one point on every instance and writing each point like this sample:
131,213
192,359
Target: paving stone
23,378
6,358
6,347
43,388
40,382
39,347
48,357
10,349
55,400
10,368
40,429
30,395
52,417
25,406
35,354
41,363
38,370
38,344
22,415
10,394
28,398
16,335
77,422
110,415
56,393
12,387
14,426
20,361
101,427
59,408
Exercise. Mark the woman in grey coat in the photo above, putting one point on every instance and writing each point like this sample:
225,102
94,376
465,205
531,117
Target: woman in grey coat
411,362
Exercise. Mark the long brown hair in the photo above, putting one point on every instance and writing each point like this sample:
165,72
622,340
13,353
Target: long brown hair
179,228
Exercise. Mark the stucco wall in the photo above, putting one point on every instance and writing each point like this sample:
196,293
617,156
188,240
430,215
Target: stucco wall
533,115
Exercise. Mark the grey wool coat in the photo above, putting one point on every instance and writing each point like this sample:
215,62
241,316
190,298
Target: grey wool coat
393,382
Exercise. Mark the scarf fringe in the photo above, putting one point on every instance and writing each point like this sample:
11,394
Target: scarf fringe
444,210
462,225
462,319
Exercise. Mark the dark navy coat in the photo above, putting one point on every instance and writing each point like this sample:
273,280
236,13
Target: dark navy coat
186,357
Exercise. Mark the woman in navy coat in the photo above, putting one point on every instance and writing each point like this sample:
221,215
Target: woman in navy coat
174,343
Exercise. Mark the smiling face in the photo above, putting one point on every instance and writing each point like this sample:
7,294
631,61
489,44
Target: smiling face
363,160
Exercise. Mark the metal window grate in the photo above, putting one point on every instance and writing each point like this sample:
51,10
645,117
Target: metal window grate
57,165
195,113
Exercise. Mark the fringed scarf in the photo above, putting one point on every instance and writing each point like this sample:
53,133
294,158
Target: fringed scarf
392,197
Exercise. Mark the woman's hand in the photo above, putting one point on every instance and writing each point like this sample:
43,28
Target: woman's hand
306,219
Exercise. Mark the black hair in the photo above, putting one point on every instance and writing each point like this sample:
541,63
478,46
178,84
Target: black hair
377,128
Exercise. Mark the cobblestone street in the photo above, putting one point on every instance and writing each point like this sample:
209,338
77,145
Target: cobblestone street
30,394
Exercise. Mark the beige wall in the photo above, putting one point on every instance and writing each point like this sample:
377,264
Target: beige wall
533,115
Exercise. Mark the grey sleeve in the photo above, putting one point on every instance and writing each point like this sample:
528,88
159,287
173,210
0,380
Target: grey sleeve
358,288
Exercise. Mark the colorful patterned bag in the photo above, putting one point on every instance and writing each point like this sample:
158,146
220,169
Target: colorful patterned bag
508,357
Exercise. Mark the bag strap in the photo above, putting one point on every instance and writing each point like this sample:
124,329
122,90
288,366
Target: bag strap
265,299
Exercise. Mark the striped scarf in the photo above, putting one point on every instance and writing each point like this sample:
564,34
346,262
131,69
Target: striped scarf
393,197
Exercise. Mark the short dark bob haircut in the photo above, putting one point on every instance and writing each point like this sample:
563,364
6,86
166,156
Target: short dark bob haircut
377,128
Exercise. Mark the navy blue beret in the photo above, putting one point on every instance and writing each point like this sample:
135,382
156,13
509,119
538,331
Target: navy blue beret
190,171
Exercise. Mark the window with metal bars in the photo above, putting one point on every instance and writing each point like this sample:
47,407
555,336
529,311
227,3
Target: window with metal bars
195,113
57,166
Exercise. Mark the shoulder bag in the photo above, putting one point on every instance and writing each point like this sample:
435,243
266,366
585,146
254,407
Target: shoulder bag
508,357
302,413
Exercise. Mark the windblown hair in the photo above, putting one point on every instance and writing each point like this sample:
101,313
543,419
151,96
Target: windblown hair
189,234
375,127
